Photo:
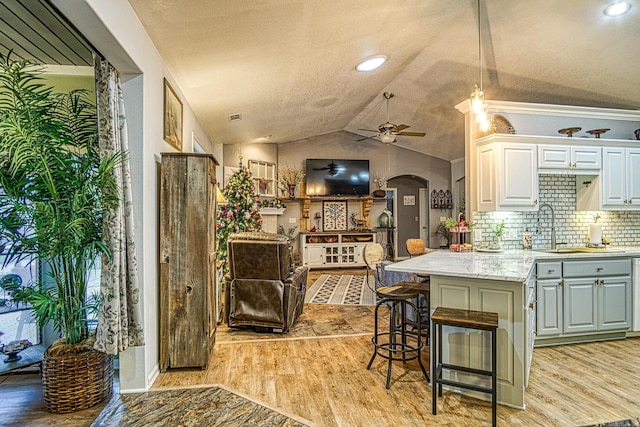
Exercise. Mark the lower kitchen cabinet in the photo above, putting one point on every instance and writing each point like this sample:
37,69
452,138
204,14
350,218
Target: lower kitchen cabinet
571,307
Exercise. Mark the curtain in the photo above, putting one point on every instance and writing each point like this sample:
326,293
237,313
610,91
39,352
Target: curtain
119,311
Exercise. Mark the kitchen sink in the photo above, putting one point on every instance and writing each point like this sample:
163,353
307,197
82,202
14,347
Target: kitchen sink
579,250
560,250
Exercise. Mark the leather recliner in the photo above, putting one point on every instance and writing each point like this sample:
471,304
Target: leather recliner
264,289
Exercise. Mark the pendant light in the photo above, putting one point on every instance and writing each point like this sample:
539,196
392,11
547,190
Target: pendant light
477,104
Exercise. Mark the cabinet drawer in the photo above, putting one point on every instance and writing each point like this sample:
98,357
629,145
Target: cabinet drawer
597,267
549,270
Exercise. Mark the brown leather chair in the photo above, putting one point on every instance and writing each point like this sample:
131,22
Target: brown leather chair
264,290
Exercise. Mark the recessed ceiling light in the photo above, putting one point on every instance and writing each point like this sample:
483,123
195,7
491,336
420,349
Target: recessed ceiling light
617,8
372,63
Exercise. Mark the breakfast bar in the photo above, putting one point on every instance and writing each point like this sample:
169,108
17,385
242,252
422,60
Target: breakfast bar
503,283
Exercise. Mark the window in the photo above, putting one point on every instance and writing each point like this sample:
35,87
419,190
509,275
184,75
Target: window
264,177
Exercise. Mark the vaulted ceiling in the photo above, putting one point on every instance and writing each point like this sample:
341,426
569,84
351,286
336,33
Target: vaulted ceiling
287,66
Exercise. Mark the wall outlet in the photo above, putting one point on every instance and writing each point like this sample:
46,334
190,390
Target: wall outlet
477,235
510,235
292,220
443,218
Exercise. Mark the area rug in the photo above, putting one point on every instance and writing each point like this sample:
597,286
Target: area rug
340,289
635,422
201,406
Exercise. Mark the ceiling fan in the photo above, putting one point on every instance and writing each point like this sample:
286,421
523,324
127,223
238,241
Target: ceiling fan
388,131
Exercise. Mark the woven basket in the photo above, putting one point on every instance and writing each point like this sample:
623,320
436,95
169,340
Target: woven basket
76,381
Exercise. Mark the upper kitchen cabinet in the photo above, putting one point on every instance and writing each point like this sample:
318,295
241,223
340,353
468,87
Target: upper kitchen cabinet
507,176
525,141
576,160
620,178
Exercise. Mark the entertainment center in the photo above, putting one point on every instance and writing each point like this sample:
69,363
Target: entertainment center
337,197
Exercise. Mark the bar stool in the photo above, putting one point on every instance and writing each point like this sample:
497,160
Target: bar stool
401,344
480,320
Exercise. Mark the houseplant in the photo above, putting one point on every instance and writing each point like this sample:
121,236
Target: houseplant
54,191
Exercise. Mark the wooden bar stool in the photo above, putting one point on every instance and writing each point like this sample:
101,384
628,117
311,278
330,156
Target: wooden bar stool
397,347
480,320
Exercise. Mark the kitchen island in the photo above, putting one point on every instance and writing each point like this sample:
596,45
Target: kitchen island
497,282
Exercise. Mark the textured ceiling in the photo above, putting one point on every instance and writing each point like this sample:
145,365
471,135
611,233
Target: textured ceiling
288,65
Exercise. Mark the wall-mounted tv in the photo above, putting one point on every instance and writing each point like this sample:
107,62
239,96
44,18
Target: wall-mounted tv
337,177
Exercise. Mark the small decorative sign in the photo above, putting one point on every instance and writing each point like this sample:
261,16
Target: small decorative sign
409,200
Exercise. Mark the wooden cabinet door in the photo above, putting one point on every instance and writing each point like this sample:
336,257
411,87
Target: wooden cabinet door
550,306
633,178
487,178
613,177
580,305
586,158
518,178
313,255
614,303
554,157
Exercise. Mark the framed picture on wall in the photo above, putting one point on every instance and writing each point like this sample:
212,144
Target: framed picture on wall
172,117
334,215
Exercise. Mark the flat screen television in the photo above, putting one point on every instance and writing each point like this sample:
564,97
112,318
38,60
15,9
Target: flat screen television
337,177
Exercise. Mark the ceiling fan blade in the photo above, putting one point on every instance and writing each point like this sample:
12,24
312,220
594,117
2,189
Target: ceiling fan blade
370,130
366,137
411,134
401,127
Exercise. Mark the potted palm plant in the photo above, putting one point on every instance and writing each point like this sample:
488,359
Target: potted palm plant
55,189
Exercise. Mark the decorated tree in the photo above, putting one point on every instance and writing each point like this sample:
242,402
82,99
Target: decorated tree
241,213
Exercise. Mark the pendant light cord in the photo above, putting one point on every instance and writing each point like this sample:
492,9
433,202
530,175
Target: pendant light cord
479,46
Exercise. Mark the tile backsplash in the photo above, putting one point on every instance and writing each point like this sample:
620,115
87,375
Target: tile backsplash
572,227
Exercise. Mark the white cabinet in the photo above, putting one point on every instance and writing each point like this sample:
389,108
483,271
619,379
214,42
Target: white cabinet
569,159
507,177
334,250
620,178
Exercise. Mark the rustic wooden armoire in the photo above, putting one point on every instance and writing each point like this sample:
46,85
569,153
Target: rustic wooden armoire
187,259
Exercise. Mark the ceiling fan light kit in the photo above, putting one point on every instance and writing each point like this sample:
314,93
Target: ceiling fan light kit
388,131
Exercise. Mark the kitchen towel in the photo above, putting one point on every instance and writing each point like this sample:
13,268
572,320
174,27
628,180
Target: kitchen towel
595,234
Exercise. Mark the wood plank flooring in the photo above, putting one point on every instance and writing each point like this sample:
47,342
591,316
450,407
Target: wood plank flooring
319,373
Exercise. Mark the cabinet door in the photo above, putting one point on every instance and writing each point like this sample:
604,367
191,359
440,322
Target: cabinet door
613,177
580,305
586,158
518,189
487,178
633,178
313,255
549,309
614,303
554,157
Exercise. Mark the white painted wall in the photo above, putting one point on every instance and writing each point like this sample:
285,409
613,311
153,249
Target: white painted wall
114,29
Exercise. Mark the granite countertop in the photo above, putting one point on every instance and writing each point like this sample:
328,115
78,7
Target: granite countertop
510,265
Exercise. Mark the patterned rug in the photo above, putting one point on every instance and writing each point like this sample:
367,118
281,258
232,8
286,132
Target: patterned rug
635,422
194,406
340,289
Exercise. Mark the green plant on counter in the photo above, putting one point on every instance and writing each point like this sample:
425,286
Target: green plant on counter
450,222
498,229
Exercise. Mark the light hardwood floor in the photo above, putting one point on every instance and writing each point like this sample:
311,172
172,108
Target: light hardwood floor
318,372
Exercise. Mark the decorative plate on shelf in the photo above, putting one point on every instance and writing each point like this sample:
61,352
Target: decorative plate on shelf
500,124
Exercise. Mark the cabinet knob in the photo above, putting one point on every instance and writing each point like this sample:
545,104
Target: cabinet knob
561,283
551,271
599,269
535,202
532,304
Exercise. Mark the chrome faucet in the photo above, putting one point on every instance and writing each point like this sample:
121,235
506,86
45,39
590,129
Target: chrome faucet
553,223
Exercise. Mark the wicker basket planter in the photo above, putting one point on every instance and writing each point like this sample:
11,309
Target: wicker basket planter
76,377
